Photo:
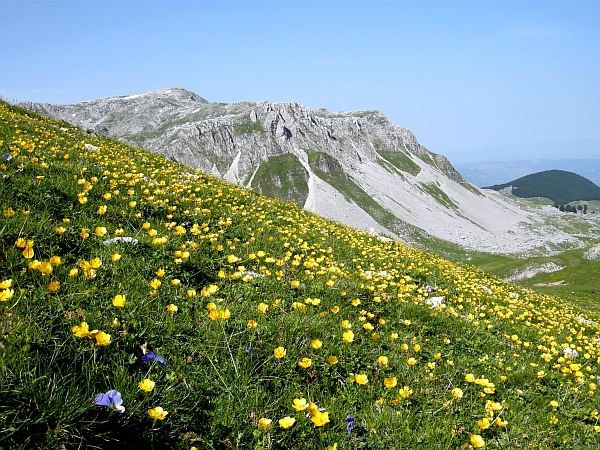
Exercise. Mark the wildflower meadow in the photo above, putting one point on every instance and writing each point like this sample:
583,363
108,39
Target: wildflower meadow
147,305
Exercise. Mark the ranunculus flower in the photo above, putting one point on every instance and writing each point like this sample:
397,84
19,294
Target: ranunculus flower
390,382
300,404
477,441
305,363
264,423
361,379
172,308
286,422
279,352
320,418
157,413
102,338
119,301
146,385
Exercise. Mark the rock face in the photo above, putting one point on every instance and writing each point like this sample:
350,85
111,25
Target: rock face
355,167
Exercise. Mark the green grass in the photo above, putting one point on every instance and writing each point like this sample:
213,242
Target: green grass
401,161
283,177
248,126
249,274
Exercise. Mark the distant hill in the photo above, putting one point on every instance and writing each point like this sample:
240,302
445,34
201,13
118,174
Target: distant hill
559,186
488,173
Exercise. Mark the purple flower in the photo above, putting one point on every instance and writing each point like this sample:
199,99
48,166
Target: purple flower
7,157
429,288
248,351
349,424
112,399
153,357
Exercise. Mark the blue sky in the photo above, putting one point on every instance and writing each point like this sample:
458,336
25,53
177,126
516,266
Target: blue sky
474,80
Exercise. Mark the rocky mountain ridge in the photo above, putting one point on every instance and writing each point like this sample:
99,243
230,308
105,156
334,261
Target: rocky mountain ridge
355,167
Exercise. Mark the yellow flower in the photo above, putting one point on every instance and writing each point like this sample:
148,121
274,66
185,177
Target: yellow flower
279,352
60,230
73,272
102,209
361,379
252,324
501,423
286,422
553,420
157,413
28,250
21,243
214,314
172,308
263,308
177,282
100,231
554,404
320,418
102,338
119,301
155,284
6,294
316,344
300,404
457,393
6,284
469,378
191,293
146,385
484,423
390,382
405,392
335,309
81,331
55,261
383,360
295,284
348,336
305,363
346,324
332,360
53,286
312,409
232,259
45,268
264,423
160,273
477,441
115,257
85,233
411,361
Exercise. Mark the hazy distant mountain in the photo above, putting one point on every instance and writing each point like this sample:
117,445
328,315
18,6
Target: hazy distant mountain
357,167
497,172
560,186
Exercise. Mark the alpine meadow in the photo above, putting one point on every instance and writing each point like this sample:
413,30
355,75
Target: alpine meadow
144,304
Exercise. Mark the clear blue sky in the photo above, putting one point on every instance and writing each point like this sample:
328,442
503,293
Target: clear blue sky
475,80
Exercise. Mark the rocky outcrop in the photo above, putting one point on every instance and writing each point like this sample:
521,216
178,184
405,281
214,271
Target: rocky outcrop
355,167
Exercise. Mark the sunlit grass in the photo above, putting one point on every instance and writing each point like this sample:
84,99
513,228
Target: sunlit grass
228,320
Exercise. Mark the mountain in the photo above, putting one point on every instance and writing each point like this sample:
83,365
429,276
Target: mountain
560,186
354,167
487,173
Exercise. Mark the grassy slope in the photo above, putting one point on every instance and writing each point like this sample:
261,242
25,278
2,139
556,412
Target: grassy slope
220,252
